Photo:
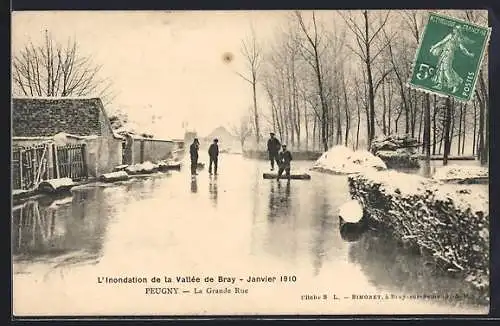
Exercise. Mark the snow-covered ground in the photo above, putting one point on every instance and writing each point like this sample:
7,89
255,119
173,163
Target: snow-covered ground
408,185
463,172
342,160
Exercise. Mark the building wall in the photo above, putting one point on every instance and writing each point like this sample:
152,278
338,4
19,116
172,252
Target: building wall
102,153
110,147
154,150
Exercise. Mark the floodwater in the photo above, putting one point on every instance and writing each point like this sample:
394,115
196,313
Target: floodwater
235,224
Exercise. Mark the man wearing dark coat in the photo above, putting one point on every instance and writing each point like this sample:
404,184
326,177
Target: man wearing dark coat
273,148
213,154
285,157
193,152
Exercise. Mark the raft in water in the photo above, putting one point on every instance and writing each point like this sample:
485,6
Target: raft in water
302,176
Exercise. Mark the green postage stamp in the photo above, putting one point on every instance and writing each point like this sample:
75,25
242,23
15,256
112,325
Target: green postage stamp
449,57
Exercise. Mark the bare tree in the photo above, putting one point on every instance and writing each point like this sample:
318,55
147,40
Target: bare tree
50,69
311,53
250,50
243,130
365,38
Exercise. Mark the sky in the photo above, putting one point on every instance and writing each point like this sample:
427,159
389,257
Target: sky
163,64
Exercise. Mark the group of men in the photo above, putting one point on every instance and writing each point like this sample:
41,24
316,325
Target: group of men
277,153
213,154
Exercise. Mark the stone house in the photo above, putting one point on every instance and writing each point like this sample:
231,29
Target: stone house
68,121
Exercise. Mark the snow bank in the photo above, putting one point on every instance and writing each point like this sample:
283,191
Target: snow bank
351,211
465,174
114,176
342,160
451,221
56,185
146,167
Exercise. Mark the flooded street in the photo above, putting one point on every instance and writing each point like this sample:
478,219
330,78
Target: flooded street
235,224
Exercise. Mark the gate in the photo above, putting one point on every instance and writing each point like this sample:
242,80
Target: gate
70,162
29,166
33,164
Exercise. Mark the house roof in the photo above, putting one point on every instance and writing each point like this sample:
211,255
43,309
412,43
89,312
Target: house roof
39,117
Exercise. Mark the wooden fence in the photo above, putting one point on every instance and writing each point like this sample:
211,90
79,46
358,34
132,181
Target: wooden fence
33,164
71,162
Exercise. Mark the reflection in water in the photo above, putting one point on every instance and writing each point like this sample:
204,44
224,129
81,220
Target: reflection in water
351,232
52,227
281,213
388,265
194,184
321,219
279,201
212,189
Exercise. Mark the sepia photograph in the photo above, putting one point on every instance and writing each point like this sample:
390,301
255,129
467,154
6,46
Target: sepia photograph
286,162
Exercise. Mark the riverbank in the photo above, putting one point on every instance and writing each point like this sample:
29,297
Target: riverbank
448,222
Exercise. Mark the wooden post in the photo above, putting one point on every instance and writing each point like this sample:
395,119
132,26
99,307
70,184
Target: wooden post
21,167
34,164
50,161
142,151
84,161
56,159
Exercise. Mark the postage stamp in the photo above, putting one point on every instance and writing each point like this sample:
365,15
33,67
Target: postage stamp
449,57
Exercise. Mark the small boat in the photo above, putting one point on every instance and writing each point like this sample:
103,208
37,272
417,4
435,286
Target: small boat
293,176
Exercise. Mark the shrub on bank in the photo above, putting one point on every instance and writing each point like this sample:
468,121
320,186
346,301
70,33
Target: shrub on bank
449,221
397,151
343,160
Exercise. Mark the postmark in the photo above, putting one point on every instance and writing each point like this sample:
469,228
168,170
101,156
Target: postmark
449,57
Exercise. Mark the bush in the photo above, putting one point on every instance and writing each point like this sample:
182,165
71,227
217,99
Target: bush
449,221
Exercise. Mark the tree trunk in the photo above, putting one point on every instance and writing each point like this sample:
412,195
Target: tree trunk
447,131
256,113
480,150
421,122
434,126
474,131
452,127
371,93
389,117
486,123
464,124
358,111
339,123
347,114
384,109
460,129
427,127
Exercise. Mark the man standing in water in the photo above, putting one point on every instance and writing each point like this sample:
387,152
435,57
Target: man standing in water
213,154
193,151
285,157
273,148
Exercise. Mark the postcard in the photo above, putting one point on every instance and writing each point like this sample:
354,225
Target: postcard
204,163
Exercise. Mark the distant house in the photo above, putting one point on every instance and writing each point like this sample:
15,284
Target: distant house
68,121
227,141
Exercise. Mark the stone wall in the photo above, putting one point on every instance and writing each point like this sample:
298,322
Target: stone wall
153,150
